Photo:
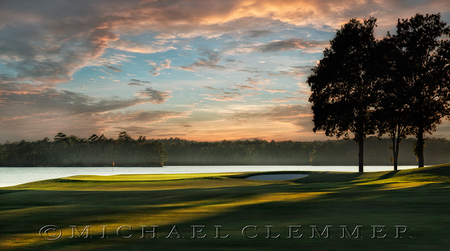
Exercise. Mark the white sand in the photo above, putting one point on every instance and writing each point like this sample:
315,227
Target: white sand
285,176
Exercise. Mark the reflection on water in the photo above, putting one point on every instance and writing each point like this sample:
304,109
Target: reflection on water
10,176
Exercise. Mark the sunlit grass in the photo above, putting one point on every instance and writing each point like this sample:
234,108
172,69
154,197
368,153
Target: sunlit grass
148,177
417,198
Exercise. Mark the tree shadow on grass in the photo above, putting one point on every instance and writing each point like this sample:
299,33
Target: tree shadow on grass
418,207
388,175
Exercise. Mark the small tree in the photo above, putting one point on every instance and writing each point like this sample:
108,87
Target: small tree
342,88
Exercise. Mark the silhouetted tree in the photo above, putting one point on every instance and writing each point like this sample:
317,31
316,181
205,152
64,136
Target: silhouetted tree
342,87
123,136
392,115
422,64
93,138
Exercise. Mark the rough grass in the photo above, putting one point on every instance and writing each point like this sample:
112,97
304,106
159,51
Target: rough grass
417,198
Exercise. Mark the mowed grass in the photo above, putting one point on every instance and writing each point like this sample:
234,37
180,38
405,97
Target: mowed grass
416,198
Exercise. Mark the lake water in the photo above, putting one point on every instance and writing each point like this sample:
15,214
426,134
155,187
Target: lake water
11,176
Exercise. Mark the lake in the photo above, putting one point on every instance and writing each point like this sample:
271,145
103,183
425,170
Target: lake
11,176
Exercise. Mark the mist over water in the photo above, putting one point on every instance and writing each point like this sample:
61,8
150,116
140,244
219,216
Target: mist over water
11,176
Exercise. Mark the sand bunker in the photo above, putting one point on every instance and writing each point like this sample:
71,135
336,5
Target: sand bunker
285,176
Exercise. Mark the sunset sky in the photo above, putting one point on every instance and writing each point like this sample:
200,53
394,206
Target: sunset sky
194,69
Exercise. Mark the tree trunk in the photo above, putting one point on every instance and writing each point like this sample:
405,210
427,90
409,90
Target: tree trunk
361,151
396,148
394,152
361,156
419,146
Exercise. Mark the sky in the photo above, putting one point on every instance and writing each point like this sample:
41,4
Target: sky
193,69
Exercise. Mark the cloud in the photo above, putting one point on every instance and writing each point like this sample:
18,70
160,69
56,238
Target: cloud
187,68
137,82
38,51
275,90
27,110
259,33
247,87
22,99
48,42
209,59
136,47
115,69
292,44
153,96
223,95
297,72
140,81
306,46
156,69
138,117
211,88
44,43
293,114
252,84
115,59
235,93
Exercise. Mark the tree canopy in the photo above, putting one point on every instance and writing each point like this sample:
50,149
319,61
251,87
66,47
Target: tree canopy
342,85
422,66
397,86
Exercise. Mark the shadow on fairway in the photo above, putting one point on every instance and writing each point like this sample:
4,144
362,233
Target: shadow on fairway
233,204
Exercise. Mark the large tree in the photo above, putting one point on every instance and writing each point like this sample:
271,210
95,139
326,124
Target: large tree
422,64
391,115
342,85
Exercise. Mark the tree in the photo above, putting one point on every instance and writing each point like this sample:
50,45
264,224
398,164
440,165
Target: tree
60,137
391,115
423,66
342,87
123,136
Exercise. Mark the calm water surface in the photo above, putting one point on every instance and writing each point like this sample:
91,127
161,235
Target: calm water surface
11,176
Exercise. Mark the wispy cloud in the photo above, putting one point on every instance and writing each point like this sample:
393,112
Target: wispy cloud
136,47
294,114
156,69
115,69
209,59
259,33
31,100
297,72
292,44
137,82
153,96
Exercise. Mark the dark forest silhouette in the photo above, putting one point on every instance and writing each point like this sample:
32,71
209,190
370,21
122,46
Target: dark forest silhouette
74,151
125,151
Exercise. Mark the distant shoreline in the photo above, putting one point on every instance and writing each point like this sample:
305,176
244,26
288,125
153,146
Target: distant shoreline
198,165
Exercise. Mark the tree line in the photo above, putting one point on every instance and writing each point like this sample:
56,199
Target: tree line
74,151
125,151
396,86
329,152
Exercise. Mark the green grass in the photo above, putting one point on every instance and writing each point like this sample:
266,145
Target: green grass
417,198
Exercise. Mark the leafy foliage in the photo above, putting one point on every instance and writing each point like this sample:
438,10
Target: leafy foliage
342,84
422,70
398,86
